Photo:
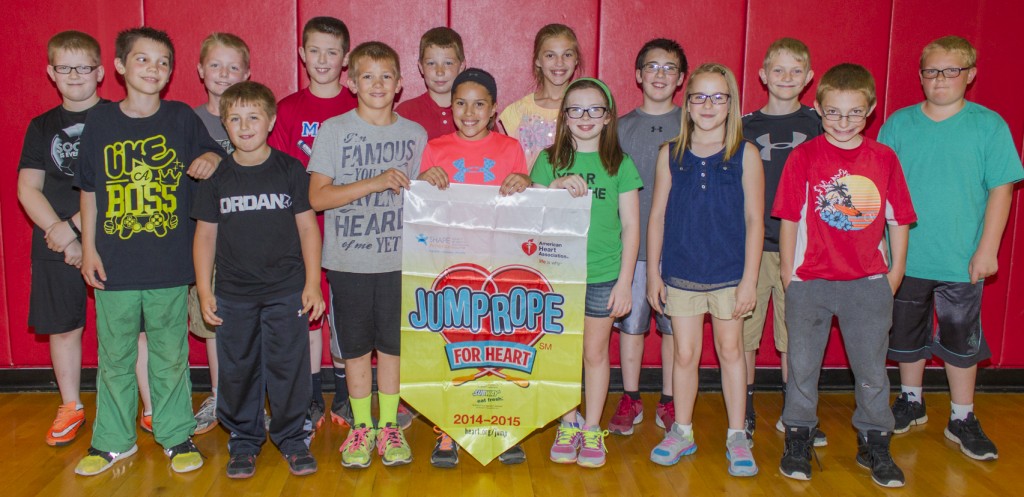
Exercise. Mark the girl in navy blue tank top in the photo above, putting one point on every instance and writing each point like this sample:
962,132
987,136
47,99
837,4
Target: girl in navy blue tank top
704,245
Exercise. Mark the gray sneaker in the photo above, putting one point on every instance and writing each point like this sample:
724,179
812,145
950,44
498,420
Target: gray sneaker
206,416
674,446
741,460
405,416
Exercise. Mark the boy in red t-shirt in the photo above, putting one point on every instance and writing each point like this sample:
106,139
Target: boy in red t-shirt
441,60
324,52
837,195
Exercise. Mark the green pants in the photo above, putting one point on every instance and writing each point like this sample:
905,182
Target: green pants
119,316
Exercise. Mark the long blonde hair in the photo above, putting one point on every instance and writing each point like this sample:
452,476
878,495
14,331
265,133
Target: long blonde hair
733,121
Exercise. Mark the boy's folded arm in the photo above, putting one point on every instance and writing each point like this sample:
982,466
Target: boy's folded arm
204,166
323,194
30,193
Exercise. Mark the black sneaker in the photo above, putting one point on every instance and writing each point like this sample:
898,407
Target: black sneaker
873,453
796,456
907,413
301,463
341,413
749,425
819,438
316,414
241,466
972,440
185,457
446,451
514,455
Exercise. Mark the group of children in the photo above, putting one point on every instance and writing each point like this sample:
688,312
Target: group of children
693,213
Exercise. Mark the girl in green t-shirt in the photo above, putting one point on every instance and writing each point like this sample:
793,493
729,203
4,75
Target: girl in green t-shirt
586,159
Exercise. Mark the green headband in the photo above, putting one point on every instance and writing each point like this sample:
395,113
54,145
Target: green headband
598,82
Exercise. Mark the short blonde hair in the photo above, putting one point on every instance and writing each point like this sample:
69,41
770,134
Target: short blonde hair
73,41
847,77
224,39
793,47
376,51
955,45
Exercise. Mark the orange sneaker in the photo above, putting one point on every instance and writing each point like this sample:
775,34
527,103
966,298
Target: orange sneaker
146,423
65,426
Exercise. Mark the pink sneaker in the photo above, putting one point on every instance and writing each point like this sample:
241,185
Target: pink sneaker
666,413
567,443
629,413
592,453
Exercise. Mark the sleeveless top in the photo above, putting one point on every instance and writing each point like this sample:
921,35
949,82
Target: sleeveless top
705,230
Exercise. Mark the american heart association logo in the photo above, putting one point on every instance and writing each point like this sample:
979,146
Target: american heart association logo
520,341
529,247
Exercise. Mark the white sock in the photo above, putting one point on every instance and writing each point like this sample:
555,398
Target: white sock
733,432
913,393
685,429
213,392
960,412
79,406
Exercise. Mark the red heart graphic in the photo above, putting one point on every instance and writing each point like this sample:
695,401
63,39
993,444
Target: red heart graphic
501,281
529,248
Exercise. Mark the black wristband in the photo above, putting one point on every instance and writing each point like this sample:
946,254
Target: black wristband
71,223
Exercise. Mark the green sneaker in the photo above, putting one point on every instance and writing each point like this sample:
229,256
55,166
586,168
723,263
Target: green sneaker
185,457
355,452
392,447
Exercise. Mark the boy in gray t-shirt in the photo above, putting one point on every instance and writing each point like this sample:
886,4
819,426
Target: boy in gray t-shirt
660,70
361,162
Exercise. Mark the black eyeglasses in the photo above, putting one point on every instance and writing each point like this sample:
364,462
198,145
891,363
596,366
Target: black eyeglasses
654,67
78,69
850,118
593,112
949,72
700,98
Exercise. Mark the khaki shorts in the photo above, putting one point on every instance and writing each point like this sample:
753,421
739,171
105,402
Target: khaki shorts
769,284
196,324
683,303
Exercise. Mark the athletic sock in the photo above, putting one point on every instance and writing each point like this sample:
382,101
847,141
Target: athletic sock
959,412
361,411
318,388
340,383
685,429
913,393
388,408
665,399
632,395
733,432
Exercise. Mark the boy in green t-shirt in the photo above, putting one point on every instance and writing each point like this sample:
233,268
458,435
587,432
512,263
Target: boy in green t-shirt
960,163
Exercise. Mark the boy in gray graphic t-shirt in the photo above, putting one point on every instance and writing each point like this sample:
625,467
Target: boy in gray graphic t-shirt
361,162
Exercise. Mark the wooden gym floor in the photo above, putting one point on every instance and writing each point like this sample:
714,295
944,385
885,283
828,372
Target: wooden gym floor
934,466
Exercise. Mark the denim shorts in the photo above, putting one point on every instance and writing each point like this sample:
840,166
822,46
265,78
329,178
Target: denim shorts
597,299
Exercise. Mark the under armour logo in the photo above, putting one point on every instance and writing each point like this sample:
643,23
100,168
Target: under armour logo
767,146
463,169
658,128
